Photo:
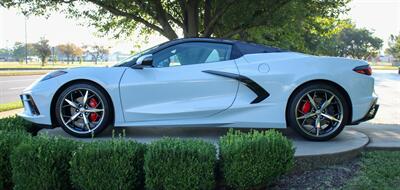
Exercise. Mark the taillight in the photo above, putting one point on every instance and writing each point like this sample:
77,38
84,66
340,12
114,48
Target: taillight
365,69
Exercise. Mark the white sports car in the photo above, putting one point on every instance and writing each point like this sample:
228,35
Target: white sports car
207,82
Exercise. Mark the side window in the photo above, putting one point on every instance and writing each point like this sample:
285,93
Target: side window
191,53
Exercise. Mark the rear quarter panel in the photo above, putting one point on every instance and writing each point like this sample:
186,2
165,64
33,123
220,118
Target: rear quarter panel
287,70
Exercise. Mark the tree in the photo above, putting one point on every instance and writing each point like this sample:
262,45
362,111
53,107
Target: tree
71,51
309,35
357,43
5,53
192,18
20,51
394,46
42,48
97,52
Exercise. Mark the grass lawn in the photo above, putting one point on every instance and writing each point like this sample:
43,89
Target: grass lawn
384,67
379,170
49,65
10,106
24,73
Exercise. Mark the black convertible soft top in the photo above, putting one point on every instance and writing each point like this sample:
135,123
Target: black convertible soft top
239,48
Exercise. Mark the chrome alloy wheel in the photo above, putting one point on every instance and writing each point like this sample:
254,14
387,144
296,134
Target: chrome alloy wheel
82,110
319,113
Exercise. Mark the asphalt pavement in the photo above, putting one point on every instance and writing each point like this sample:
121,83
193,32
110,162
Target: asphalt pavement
12,86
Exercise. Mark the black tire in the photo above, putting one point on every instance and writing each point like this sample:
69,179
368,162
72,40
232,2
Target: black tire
100,125
300,95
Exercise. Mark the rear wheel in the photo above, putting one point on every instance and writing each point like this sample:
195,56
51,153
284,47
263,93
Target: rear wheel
83,110
318,112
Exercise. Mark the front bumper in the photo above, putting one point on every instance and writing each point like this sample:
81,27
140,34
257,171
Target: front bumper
370,114
33,111
29,105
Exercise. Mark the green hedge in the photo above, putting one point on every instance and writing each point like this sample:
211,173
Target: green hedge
254,159
115,164
180,164
8,142
42,163
16,123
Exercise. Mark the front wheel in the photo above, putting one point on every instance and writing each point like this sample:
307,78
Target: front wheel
318,112
83,110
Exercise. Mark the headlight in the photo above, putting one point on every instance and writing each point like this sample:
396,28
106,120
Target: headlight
53,74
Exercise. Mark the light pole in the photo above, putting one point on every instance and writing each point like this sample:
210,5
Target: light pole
26,42
54,57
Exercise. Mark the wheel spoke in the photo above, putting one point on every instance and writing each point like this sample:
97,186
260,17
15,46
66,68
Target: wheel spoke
330,117
86,123
93,110
317,125
312,101
71,103
85,97
72,118
327,103
308,115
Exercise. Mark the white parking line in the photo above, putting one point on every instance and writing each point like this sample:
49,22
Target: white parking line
17,88
6,81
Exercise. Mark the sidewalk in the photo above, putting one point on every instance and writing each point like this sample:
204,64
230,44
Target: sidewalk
382,136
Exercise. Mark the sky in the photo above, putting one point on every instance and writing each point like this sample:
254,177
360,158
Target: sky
380,16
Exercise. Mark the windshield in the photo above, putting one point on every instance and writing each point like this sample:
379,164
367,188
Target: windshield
132,59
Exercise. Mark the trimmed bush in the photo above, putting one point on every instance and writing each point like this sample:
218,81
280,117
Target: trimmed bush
8,142
16,123
254,159
172,163
42,163
115,164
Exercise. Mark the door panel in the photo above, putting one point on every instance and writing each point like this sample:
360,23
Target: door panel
177,92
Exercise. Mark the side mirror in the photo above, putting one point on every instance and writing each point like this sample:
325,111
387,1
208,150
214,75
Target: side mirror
144,61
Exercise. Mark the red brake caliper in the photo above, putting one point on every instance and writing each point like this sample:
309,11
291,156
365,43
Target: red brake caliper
306,107
93,116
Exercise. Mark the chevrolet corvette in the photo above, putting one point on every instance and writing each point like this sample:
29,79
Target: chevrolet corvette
211,83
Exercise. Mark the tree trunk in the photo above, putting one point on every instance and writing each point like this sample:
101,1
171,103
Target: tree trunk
43,61
193,18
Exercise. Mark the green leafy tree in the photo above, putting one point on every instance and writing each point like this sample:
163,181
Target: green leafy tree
394,46
192,18
357,43
5,53
20,51
42,48
309,35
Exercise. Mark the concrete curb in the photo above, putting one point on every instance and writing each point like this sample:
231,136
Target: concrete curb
348,145
313,161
